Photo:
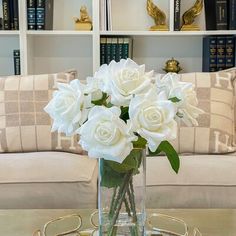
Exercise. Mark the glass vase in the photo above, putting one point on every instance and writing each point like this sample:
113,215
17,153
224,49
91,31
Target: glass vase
121,198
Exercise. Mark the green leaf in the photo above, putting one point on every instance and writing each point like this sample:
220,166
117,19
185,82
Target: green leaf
140,143
171,154
109,177
131,162
109,105
124,113
174,99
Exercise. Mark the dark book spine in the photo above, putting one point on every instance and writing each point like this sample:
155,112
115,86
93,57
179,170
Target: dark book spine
177,23
103,42
114,42
15,15
49,5
6,14
126,48
232,14
16,55
221,62
230,51
31,13
209,57
221,15
108,51
1,23
210,14
40,15
11,5
119,49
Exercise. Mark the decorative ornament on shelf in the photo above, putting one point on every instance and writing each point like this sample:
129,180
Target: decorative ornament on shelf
172,66
84,22
118,113
190,15
158,15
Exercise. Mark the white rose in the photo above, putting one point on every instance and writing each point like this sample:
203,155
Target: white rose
152,117
121,80
105,135
187,106
69,107
92,87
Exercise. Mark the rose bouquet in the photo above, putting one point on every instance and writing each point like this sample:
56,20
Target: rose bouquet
118,113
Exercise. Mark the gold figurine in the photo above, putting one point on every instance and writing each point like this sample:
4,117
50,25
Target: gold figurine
158,15
84,22
190,15
172,65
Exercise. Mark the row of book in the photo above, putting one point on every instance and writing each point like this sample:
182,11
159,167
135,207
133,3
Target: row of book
115,48
9,15
219,14
218,53
16,58
40,14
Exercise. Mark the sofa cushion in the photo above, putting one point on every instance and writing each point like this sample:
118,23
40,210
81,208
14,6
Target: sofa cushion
24,125
47,180
215,133
203,181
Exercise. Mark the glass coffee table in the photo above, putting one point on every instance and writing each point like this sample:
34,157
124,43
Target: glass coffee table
210,222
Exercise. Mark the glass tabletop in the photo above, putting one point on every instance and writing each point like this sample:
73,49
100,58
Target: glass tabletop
217,222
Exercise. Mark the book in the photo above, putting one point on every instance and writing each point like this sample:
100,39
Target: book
1,23
31,14
109,15
15,15
221,15
119,48
6,14
221,59
103,47
127,48
232,14
11,12
16,56
102,15
1,16
108,50
40,14
177,22
209,54
49,5
114,43
210,14
230,51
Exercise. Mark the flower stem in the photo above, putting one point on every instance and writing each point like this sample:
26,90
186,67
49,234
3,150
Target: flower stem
118,202
131,196
112,202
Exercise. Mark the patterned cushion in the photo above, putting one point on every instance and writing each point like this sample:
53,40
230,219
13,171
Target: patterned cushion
216,130
24,125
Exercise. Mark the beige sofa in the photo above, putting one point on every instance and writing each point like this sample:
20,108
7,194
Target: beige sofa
65,180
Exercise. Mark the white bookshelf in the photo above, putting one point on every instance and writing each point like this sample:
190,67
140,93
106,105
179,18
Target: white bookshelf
64,48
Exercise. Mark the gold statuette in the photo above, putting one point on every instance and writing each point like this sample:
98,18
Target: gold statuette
84,22
190,15
158,15
172,65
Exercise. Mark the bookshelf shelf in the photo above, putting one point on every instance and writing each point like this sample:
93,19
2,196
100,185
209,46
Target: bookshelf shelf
59,32
65,48
9,32
167,33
